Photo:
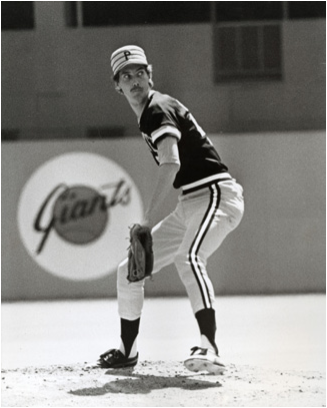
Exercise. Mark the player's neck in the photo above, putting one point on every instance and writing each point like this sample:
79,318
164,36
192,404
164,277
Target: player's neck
138,105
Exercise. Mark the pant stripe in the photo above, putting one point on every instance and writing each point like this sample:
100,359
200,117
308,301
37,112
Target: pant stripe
195,247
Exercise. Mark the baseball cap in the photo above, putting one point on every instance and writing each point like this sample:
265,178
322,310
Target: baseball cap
130,54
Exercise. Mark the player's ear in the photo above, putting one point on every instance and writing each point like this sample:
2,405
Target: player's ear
118,89
149,70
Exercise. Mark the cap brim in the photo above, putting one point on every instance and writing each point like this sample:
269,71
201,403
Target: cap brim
130,62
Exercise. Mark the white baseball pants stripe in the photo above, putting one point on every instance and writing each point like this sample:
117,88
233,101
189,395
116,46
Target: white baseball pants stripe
197,267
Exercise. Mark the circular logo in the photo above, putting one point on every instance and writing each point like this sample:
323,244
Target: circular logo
74,213
81,215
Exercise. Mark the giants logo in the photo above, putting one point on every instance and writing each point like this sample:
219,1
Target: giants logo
80,213
74,214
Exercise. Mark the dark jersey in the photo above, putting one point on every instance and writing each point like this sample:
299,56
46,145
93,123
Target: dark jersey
165,116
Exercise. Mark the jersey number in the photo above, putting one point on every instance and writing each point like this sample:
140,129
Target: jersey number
193,120
197,126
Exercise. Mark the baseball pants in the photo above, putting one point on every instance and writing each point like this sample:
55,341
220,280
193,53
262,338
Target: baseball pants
187,237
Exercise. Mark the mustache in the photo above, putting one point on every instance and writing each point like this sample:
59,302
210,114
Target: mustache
136,87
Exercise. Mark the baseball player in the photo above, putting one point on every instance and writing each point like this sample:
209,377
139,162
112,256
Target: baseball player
209,207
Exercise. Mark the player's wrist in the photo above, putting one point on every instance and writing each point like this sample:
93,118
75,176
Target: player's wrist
148,221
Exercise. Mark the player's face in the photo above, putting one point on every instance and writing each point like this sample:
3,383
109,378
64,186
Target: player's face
134,82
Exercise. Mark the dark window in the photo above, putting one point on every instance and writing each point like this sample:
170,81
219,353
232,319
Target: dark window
247,40
272,48
104,13
248,10
17,15
71,13
247,52
8,135
249,48
306,9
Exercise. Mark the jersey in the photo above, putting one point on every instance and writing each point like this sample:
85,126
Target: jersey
165,116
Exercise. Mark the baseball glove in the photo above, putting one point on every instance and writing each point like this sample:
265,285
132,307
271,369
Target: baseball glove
140,254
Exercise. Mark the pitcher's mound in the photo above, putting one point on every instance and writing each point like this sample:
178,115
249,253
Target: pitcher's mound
160,384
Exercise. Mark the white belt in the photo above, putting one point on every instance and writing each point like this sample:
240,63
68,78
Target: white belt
188,188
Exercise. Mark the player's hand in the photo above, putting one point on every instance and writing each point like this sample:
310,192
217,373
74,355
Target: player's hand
148,221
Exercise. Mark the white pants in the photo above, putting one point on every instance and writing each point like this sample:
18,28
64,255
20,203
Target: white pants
187,237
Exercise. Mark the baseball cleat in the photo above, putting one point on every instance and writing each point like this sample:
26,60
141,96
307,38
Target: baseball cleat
202,359
115,359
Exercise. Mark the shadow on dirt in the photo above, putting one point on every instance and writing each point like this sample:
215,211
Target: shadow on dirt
143,384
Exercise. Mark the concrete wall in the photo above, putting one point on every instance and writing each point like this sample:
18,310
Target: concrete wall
279,246
56,80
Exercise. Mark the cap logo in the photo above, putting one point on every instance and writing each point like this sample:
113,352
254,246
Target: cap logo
127,54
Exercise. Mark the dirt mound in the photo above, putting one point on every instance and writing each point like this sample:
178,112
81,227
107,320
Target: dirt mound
159,384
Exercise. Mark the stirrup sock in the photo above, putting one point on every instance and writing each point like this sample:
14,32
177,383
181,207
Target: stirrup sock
129,331
207,323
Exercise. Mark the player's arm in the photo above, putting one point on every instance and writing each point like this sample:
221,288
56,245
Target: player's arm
169,167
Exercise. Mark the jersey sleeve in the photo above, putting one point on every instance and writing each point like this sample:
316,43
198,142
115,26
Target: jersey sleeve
165,130
163,122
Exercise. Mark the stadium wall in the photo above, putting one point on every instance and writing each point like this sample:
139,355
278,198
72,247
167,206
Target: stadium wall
56,80
278,248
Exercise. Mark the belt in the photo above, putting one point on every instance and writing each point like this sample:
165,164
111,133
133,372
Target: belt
205,183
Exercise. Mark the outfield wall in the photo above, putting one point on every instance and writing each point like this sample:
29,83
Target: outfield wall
278,248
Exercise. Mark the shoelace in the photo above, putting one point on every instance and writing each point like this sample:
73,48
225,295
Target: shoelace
112,354
196,348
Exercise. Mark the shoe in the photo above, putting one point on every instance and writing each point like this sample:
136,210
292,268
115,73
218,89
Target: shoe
202,359
115,359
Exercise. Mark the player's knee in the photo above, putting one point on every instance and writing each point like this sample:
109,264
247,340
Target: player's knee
183,266
181,261
185,261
